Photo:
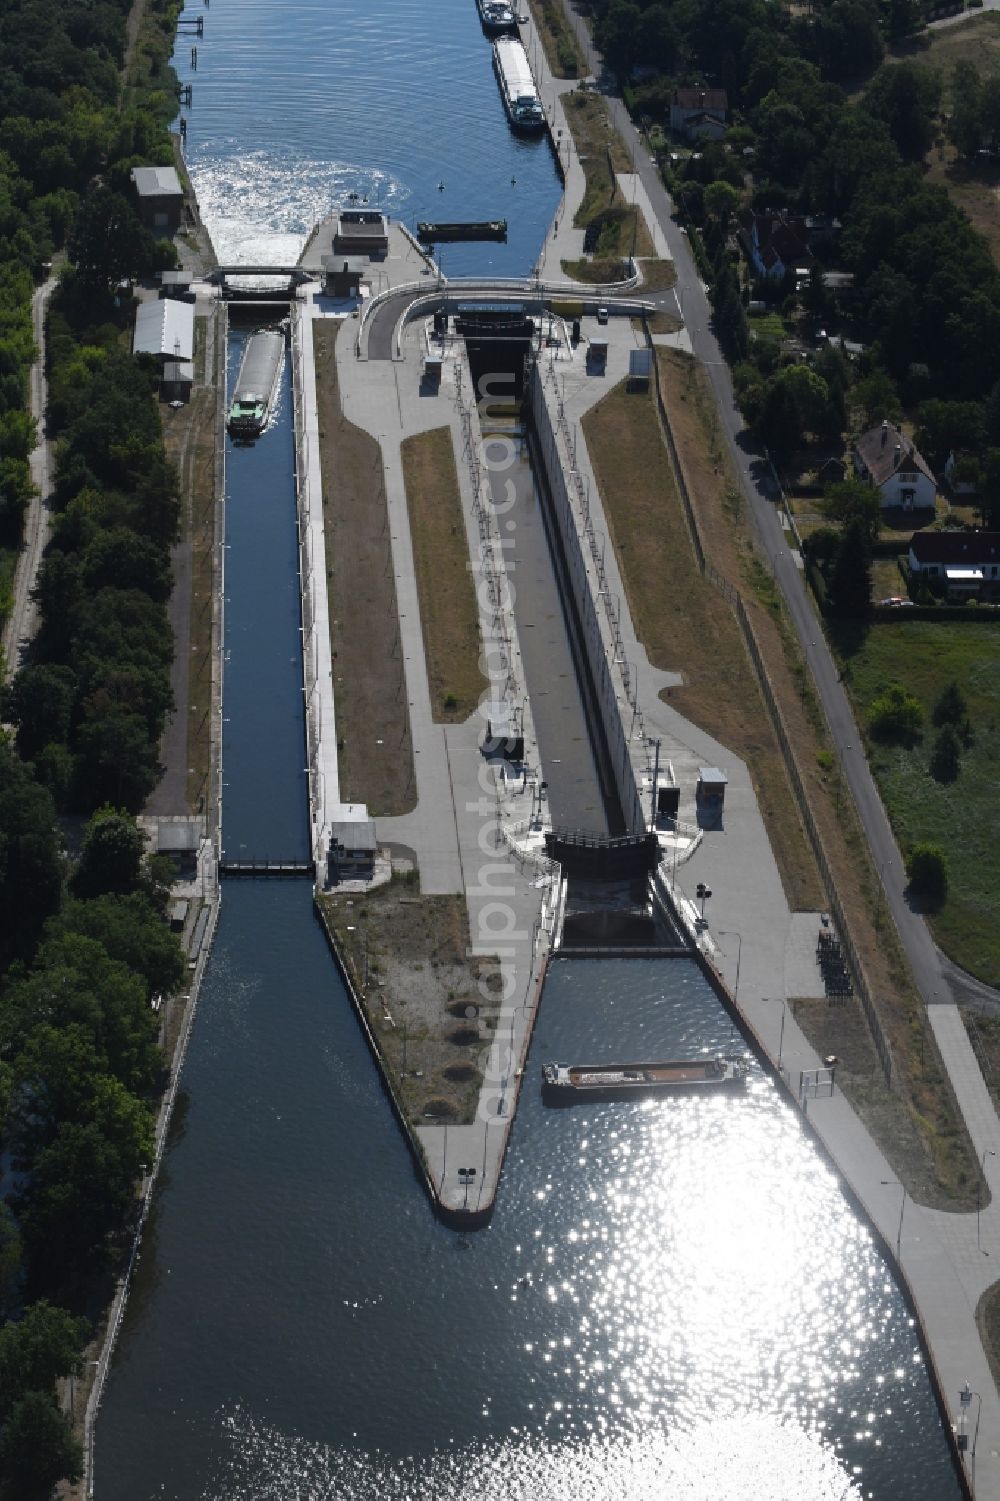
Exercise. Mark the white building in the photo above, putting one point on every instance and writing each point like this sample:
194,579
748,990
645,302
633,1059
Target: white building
164,328
887,459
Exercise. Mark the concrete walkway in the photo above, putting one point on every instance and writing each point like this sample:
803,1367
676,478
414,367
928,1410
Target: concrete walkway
466,833
22,622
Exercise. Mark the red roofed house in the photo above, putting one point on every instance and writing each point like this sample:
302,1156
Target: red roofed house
776,244
967,563
699,112
887,459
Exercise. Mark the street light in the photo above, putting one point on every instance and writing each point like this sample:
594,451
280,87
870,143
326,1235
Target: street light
893,1183
965,1397
987,1152
466,1174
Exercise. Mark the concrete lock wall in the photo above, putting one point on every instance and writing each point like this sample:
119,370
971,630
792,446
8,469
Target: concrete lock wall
595,644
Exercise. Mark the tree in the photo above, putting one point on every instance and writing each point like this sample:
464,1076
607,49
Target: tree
852,500
35,1352
796,402
721,202
117,758
849,585
109,243
951,707
131,930
30,866
875,398
37,1449
40,703
927,871
896,716
111,856
946,757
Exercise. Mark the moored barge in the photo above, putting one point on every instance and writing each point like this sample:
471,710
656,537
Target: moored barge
256,383
497,16
565,1082
437,233
517,86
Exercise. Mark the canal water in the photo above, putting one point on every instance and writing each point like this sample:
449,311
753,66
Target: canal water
673,1298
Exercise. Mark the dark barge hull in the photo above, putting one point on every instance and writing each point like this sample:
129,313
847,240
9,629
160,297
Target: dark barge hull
439,234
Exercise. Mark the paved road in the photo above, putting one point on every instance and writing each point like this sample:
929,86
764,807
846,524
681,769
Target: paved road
22,622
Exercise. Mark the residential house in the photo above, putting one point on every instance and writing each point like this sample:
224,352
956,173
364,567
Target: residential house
699,113
159,196
967,564
776,245
887,459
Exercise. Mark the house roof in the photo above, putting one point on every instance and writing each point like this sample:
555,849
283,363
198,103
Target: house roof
702,99
157,182
965,549
778,237
165,328
886,449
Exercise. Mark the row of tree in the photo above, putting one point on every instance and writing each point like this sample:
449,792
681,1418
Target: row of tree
83,945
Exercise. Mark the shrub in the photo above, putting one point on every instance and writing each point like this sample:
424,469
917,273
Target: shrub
946,757
951,707
897,716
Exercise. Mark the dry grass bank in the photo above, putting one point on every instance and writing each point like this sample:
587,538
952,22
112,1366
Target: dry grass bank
449,616
373,720
562,52
918,1123
432,1009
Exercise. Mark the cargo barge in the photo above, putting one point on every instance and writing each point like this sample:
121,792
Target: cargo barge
517,87
260,370
437,234
563,1083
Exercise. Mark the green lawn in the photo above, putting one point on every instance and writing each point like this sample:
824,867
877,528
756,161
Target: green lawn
961,817
767,325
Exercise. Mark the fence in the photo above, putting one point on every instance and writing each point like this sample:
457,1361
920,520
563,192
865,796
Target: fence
732,595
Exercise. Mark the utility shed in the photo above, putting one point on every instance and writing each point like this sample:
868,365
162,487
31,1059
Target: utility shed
159,195
360,232
179,839
640,366
165,329
502,734
177,380
351,852
711,787
343,275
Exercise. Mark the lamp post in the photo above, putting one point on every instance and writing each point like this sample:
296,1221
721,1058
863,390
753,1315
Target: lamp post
466,1174
784,1013
965,1397
732,933
893,1183
987,1152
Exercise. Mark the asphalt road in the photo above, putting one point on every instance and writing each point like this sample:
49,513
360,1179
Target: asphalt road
927,962
22,622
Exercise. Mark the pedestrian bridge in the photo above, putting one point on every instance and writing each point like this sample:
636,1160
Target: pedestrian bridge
296,274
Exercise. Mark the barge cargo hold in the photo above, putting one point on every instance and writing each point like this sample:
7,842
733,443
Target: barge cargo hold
563,1083
486,229
517,87
497,17
256,383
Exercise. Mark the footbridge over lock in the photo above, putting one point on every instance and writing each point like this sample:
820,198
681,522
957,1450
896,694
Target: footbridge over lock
295,276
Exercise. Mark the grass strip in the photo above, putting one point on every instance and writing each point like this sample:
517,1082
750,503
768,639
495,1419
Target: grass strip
562,50
449,615
373,720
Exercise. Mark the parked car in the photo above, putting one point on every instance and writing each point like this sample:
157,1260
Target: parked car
897,601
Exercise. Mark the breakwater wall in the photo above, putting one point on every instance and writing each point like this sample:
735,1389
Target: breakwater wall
599,618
